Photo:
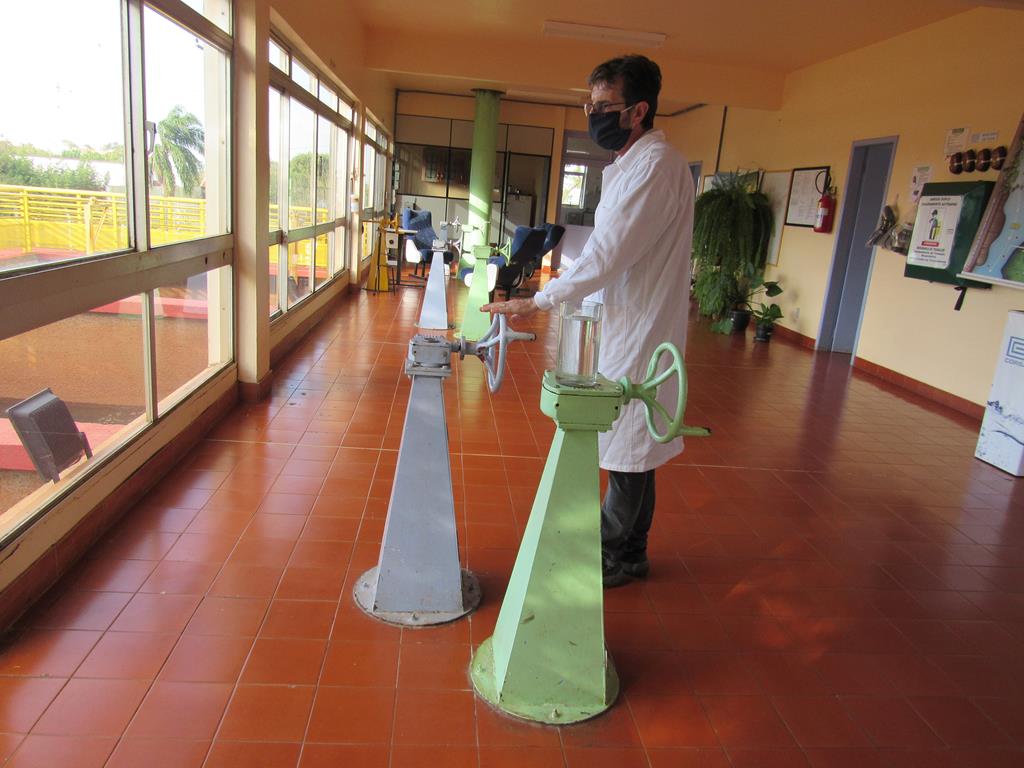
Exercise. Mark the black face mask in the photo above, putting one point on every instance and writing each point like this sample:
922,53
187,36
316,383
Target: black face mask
606,132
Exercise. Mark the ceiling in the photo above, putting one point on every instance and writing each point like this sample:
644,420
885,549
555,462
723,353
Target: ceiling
769,37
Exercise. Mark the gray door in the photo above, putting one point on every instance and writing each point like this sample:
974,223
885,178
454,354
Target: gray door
851,267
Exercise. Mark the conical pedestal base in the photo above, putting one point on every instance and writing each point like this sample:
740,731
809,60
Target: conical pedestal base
365,592
484,678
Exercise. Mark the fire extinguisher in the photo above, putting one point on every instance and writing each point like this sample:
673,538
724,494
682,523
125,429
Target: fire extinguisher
826,208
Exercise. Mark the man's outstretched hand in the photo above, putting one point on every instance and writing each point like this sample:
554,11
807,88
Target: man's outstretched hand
514,307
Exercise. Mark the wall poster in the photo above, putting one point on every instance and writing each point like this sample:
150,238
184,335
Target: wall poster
997,255
934,230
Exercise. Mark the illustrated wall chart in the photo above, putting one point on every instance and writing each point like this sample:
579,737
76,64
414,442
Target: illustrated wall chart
997,255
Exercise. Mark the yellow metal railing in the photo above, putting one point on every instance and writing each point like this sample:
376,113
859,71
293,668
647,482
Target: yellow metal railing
69,222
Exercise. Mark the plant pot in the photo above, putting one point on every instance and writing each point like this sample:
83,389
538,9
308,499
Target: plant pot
740,319
764,332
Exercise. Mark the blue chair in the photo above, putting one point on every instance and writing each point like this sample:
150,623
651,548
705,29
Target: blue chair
526,252
554,237
425,236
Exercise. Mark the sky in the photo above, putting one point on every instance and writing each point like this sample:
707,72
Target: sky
64,72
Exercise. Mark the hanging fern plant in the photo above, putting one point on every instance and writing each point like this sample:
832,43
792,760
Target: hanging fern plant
732,226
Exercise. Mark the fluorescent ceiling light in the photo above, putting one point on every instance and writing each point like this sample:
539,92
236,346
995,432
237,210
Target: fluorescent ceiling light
603,34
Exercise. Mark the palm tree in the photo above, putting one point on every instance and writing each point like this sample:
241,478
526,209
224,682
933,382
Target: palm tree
177,151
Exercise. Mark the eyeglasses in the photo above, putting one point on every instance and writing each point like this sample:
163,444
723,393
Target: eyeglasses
600,107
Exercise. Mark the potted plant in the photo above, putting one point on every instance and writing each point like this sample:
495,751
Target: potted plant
766,315
732,225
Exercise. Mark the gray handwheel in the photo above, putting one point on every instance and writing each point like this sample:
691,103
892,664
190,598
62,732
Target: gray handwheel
491,349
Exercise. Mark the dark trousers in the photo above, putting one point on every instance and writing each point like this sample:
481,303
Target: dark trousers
626,515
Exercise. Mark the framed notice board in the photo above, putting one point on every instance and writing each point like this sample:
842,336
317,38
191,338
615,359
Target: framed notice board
806,188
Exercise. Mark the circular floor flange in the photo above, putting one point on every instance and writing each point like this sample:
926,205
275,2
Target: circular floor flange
481,671
365,591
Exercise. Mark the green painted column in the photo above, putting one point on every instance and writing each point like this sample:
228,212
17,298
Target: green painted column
481,169
474,322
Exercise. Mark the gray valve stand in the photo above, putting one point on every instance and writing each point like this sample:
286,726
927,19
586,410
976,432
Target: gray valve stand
418,580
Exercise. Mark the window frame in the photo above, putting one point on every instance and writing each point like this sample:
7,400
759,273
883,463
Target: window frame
38,295
282,82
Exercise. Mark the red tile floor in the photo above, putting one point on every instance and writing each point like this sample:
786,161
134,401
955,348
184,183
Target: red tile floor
836,583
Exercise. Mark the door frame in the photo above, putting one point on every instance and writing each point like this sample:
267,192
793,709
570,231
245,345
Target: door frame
846,222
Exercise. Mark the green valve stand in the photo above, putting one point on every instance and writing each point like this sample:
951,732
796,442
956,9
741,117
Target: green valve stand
546,660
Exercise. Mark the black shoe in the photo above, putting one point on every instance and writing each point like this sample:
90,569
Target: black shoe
614,575
638,569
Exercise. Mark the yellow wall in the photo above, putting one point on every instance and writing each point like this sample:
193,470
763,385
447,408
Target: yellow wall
695,134
965,71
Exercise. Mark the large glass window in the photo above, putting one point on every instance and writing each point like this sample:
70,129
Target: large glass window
186,133
70,191
301,136
314,141
62,135
93,362
574,182
192,326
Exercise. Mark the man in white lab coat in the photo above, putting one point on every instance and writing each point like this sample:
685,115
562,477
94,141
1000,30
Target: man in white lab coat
637,261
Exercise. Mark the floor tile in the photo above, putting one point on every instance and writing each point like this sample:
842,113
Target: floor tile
891,722
614,727
353,715
158,753
496,729
423,755
82,610
253,754
434,717
959,723
527,757
688,758
672,721
206,659
287,661
43,751
434,665
818,721
24,700
228,616
267,713
92,708
174,710
48,653
607,757
127,655
746,721
361,664
167,614
335,755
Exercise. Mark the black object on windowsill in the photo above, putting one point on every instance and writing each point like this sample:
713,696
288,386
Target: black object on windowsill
49,433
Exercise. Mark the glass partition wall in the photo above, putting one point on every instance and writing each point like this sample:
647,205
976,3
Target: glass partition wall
433,157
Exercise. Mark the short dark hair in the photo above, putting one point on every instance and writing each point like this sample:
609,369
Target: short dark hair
641,81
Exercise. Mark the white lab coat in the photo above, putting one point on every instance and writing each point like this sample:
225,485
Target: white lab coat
637,262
